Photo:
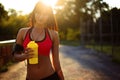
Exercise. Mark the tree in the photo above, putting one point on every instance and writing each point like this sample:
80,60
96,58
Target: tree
12,12
72,11
69,13
10,23
3,13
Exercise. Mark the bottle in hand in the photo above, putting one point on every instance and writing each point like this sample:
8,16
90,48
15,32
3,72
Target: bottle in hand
34,47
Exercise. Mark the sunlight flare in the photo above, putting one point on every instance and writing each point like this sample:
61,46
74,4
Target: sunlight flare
50,2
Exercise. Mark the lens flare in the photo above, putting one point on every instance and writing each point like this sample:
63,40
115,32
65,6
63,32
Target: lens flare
50,2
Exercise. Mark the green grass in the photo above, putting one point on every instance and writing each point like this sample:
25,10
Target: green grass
4,68
107,49
116,54
70,43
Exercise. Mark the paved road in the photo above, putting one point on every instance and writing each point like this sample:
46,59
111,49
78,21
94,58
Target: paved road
78,63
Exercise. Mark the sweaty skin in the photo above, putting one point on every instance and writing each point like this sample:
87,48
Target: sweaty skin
41,18
41,70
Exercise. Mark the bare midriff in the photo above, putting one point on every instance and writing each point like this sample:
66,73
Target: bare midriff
41,70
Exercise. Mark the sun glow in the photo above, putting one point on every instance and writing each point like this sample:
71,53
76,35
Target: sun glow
26,6
50,2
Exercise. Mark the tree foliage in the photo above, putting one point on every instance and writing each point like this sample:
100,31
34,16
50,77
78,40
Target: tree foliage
10,23
111,23
3,12
74,17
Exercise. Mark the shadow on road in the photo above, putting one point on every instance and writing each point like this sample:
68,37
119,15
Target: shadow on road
91,63
78,63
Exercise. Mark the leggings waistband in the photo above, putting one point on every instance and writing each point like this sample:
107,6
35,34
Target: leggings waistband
54,76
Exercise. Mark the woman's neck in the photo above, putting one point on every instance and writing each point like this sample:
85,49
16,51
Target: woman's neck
39,26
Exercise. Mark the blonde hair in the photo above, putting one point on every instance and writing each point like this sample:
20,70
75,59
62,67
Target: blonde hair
50,23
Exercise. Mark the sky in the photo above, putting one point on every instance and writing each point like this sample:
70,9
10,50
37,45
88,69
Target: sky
27,6
113,3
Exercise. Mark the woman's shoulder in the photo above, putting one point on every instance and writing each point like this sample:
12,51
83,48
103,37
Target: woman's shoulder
21,34
22,30
53,34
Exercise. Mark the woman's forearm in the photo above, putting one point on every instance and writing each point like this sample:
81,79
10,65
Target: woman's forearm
60,74
59,70
19,57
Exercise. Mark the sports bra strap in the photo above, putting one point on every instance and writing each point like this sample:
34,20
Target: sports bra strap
48,34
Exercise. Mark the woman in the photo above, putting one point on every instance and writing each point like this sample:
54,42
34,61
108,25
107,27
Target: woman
43,31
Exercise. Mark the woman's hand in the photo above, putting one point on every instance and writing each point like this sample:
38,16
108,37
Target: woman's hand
28,53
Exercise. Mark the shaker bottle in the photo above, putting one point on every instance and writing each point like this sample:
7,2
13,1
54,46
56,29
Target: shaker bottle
34,47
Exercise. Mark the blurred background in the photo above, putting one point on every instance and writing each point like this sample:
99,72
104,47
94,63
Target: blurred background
90,23
86,22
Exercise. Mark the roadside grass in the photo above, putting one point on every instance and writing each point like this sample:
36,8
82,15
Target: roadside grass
116,54
4,68
70,43
107,49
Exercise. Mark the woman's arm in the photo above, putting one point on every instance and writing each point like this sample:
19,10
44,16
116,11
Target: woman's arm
18,52
55,56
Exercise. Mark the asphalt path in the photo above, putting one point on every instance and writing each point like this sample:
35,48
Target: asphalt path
78,63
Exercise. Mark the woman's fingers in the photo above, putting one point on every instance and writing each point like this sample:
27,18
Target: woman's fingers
29,53
28,50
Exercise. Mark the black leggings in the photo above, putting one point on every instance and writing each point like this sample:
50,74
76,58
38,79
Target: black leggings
51,77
